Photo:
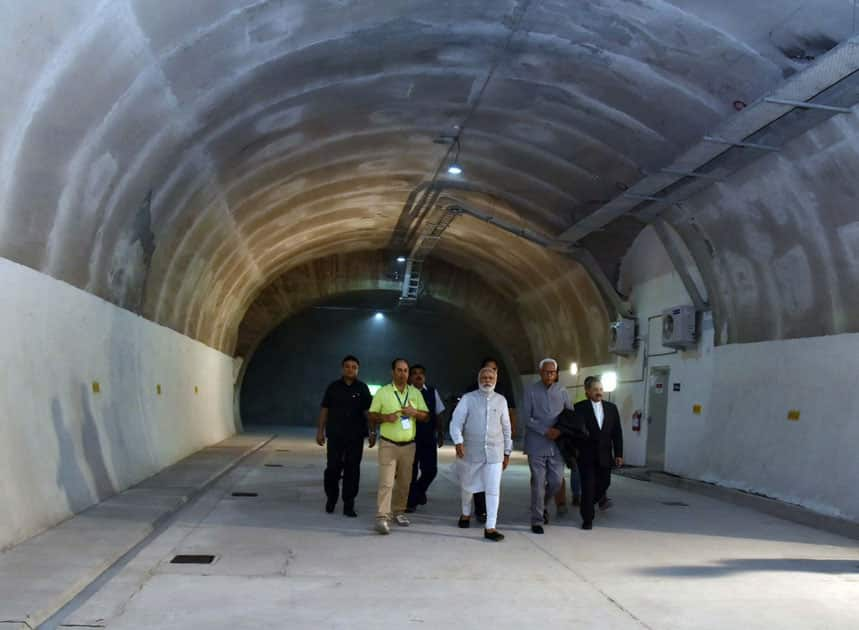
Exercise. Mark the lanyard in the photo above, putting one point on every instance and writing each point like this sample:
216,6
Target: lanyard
402,402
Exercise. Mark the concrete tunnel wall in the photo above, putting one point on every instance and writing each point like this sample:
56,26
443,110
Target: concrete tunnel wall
176,162
64,447
742,436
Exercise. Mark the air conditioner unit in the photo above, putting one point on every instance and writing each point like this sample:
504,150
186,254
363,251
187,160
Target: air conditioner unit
678,327
622,337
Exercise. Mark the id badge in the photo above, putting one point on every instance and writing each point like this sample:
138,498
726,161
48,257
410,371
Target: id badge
406,423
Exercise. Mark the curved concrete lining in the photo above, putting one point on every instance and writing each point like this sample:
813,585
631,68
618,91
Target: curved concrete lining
176,161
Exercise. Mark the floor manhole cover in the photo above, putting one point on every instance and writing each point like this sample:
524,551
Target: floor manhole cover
274,465
245,494
675,503
192,558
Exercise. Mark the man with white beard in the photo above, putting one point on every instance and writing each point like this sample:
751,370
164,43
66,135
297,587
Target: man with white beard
480,429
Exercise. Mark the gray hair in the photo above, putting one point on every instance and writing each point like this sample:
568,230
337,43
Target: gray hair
548,360
487,369
590,380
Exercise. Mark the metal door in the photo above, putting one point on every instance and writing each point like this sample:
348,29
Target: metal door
657,412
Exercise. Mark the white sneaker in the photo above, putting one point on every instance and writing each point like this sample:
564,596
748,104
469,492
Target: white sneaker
402,521
382,526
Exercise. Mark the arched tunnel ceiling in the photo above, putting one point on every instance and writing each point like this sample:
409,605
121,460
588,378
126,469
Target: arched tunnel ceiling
561,316
175,158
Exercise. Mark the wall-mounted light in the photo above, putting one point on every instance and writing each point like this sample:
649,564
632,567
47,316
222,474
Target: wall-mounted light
401,259
378,317
609,381
454,169
574,368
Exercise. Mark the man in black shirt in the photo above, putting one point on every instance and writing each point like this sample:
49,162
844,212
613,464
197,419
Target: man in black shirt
428,439
343,419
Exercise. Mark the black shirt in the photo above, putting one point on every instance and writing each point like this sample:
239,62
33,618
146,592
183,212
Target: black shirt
346,405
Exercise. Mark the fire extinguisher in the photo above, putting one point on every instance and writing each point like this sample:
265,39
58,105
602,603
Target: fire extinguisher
636,421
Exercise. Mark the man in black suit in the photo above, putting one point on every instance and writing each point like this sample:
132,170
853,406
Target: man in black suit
595,454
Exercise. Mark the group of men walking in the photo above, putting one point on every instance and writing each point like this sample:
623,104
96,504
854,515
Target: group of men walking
404,418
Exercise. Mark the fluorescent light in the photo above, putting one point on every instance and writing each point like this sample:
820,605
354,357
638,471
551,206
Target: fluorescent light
379,316
454,169
574,368
401,259
609,381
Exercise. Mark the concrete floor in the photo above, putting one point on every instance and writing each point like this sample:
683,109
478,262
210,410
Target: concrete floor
281,562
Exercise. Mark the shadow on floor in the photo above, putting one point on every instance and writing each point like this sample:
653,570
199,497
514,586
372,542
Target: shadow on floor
754,565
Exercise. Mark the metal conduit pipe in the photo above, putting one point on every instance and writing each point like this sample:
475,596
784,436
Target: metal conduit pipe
613,299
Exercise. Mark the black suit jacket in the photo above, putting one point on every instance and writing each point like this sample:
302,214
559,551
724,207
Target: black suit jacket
598,446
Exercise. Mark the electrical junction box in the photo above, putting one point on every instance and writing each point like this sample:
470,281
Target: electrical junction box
678,327
622,337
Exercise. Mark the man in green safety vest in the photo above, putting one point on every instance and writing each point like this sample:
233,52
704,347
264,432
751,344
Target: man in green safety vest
395,409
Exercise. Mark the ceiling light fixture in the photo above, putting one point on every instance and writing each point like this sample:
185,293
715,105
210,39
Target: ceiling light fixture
401,259
454,168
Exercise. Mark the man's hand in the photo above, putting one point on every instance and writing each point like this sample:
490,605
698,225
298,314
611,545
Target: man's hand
391,417
460,450
320,437
553,433
409,411
371,441
618,461
506,462
440,439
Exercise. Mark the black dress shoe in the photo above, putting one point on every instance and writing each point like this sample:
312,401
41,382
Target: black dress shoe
349,511
410,509
587,525
482,517
329,506
464,523
545,517
422,500
495,536
537,529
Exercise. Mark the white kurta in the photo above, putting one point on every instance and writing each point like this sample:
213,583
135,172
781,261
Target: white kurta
481,423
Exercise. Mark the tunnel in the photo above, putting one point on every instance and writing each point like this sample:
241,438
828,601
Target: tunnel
205,206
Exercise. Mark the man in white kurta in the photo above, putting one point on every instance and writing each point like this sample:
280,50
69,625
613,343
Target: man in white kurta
480,429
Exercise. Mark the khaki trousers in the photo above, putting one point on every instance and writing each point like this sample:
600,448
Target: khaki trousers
395,477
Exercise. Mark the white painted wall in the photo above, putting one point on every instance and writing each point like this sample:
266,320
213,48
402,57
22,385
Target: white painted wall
64,448
742,438
748,442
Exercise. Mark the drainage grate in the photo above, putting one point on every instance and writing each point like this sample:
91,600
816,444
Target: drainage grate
192,558
245,494
283,450
274,465
675,503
